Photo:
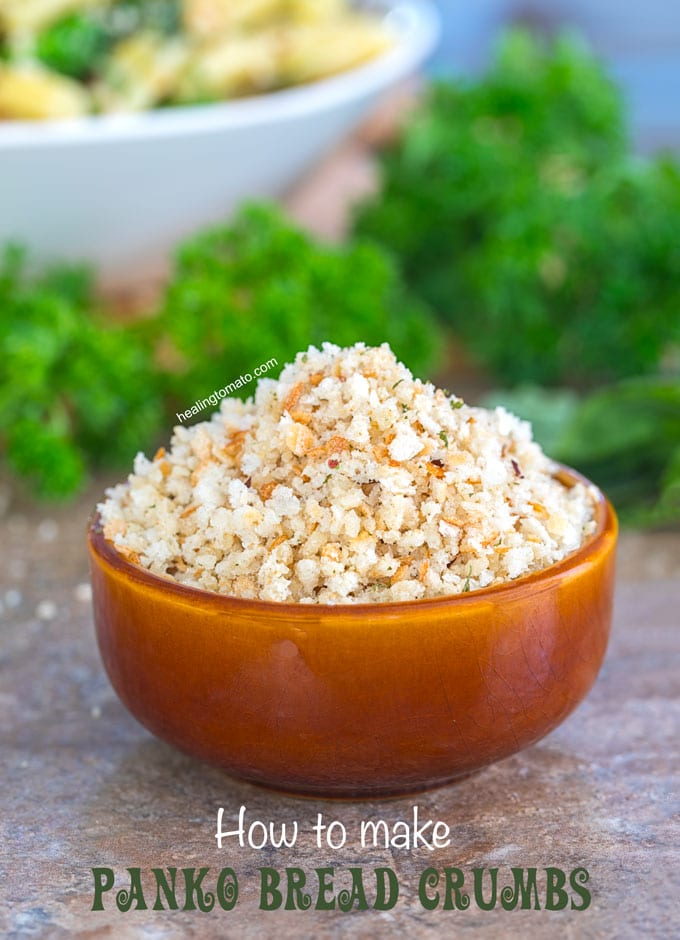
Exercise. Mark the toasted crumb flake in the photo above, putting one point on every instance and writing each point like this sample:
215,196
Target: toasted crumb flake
386,488
266,490
279,541
293,397
299,439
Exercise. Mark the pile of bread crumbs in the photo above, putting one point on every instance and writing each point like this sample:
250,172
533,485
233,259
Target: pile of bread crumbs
345,481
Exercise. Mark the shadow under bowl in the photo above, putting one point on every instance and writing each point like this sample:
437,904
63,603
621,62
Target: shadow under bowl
356,700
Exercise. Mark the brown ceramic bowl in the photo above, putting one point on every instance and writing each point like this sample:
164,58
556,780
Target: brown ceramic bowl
356,700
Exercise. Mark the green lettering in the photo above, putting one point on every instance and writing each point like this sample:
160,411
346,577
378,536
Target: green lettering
387,889
454,880
428,879
323,902
103,882
356,896
478,874
578,879
524,890
125,898
271,898
205,901
167,889
227,889
296,899
556,898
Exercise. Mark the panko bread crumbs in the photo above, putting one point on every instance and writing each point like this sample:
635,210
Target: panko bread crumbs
345,481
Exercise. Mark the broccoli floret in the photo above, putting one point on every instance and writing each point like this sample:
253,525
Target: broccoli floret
75,45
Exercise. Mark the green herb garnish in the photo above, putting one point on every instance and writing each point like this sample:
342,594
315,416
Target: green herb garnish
565,244
261,268
75,45
76,392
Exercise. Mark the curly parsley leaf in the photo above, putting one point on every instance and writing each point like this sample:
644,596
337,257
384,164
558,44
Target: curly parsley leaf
260,287
75,392
518,212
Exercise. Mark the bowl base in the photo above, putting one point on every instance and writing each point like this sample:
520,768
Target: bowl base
355,794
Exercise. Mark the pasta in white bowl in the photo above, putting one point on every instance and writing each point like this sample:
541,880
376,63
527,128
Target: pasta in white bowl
117,184
68,58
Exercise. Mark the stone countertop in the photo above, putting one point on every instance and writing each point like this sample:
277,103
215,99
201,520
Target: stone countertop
84,785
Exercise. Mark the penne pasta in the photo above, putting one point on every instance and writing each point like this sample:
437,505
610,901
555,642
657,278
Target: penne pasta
144,71
311,52
208,18
64,58
233,67
33,94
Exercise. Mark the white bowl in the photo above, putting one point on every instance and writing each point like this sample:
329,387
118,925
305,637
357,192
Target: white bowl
119,191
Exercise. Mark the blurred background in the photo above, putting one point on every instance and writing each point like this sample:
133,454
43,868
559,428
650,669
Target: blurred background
494,190
640,44
508,221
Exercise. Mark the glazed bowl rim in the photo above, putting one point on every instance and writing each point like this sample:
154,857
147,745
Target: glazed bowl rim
105,554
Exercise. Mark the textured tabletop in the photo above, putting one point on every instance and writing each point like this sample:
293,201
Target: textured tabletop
85,786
